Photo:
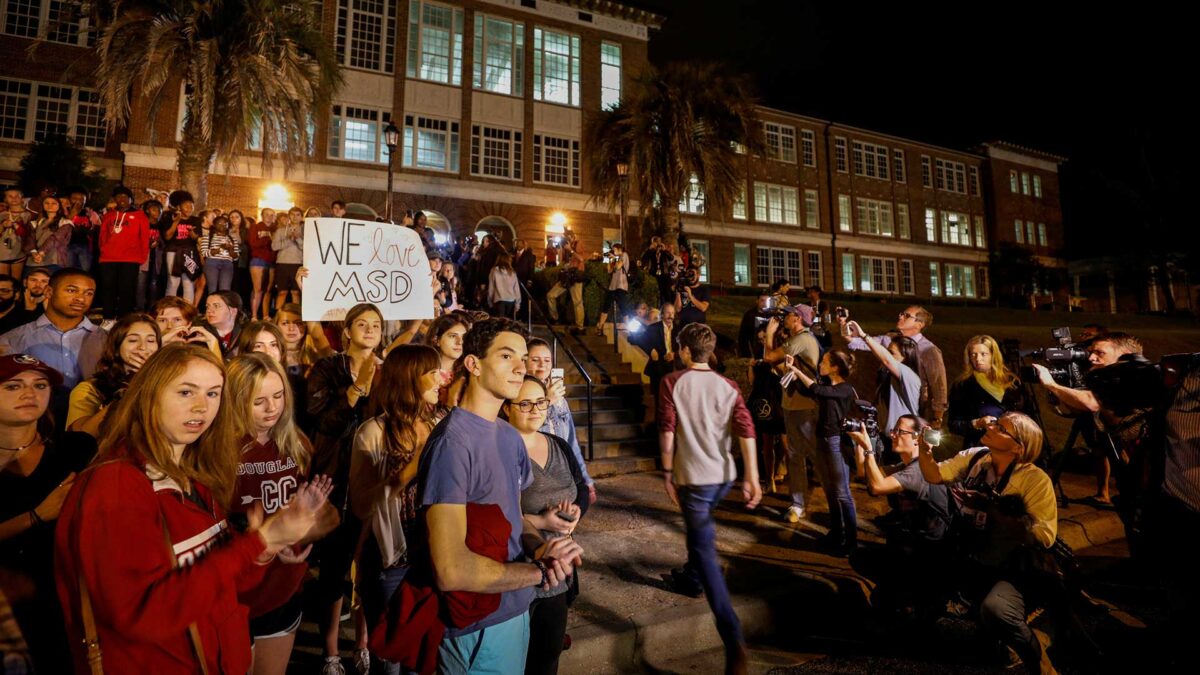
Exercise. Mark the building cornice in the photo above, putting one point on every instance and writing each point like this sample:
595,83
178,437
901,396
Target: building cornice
605,15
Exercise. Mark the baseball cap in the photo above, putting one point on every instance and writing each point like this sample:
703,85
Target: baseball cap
803,311
15,364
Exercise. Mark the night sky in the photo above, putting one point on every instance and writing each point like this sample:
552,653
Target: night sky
1083,82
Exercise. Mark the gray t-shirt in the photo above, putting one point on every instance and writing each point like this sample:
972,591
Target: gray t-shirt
925,506
469,460
552,484
902,404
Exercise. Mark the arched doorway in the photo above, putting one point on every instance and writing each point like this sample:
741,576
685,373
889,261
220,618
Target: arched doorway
361,211
499,228
440,226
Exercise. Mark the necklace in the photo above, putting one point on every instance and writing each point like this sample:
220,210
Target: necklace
36,437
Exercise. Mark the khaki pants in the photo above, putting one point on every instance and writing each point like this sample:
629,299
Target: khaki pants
576,300
801,427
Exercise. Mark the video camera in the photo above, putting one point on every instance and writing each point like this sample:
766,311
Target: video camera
686,278
1067,362
772,311
862,415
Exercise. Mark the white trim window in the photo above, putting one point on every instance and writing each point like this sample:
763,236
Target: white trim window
435,42
985,283
31,111
366,34
813,268
848,272
1024,183
1019,230
903,230
741,264
980,235
693,198
899,170
951,176
870,160
610,75
356,134
738,210
808,147
844,223
1029,236
839,154
780,141
496,152
776,204
812,210
555,160
778,263
876,275
1041,232
935,279
931,226
499,55
555,66
53,20
956,228
973,181
430,143
1037,186
907,286
926,171
874,217
960,281
1013,186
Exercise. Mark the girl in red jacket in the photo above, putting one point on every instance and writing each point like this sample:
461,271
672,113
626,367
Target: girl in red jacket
147,568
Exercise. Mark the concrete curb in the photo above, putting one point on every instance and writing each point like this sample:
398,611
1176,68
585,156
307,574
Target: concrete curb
1090,528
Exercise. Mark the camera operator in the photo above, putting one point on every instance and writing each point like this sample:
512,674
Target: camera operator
655,262
779,292
799,409
618,287
748,346
820,327
691,298
1006,511
1105,350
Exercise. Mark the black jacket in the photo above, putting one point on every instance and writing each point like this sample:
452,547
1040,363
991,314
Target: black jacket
969,401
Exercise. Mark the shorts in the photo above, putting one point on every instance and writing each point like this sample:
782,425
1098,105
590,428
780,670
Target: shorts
259,262
281,621
285,277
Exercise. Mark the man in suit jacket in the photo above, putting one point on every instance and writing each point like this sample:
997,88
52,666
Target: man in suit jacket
523,262
659,345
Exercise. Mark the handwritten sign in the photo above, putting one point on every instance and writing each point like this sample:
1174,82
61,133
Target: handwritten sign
353,261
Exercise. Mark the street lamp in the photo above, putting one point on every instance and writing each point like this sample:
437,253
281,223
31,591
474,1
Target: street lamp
623,174
391,138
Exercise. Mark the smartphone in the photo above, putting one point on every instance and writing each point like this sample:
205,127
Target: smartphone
842,313
932,436
563,515
556,373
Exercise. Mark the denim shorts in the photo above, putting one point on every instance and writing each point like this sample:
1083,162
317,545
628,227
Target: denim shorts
259,262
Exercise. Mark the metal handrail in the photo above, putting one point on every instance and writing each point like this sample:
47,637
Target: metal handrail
556,341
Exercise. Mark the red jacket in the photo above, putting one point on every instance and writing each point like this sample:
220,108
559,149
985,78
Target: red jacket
129,245
110,532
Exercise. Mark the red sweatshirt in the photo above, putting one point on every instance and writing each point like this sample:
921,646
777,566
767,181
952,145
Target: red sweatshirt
124,237
110,532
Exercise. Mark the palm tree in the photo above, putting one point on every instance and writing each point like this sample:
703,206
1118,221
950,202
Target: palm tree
251,68
679,123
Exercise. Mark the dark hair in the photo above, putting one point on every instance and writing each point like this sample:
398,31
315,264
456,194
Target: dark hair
78,190
417,215
152,202
232,299
110,374
909,354
700,340
536,342
400,399
842,361
482,334
337,202
918,421
779,283
10,279
249,334
355,312
122,190
66,272
178,197
504,262
35,270
295,209
1096,327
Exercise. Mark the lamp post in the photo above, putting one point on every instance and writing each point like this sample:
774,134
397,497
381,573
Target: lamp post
391,138
623,174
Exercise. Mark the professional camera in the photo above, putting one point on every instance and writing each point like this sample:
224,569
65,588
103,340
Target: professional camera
687,278
1067,362
862,415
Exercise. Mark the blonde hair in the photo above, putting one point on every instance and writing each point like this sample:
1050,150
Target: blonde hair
1028,434
244,376
999,375
134,430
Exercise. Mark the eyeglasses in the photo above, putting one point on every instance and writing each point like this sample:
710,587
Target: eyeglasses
906,315
897,431
528,406
995,424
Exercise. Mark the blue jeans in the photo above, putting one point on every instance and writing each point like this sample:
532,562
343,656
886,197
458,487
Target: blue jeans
835,480
495,650
375,588
698,503
80,256
219,274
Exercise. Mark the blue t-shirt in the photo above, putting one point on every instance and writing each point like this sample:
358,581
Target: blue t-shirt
469,460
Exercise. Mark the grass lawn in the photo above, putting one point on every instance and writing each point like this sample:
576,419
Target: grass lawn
954,326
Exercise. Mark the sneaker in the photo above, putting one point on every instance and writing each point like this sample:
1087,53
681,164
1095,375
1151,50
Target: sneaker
333,666
794,514
362,661
682,584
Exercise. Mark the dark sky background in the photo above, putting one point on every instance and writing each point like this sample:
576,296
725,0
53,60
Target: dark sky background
1086,82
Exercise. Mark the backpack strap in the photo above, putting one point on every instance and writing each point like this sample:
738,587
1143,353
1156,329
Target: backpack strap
193,630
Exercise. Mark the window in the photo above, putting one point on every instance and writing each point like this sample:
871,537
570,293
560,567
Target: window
434,42
808,147
430,143
555,160
776,204
1012,181
812,218
931,226
951,176
844,213
839,154
739,205
781,141
1024,183
700,248
54,20
907,286
814,268
356,134
898,168
874,217
902,229
935,279
960,281
848,272
926,172
778,263
1041,231
1037,186
876,275
499,55
366,34
693,198
980,235
555,67
985,285
956,229
496,153
973,181
1020,231
610,74
870,160
741,264
1029,237
53,109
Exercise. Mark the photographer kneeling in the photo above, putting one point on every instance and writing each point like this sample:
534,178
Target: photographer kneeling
1006,514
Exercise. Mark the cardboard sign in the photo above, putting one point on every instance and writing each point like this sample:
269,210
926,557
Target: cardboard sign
353,261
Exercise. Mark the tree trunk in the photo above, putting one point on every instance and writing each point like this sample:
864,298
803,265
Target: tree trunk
194,159
672,224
